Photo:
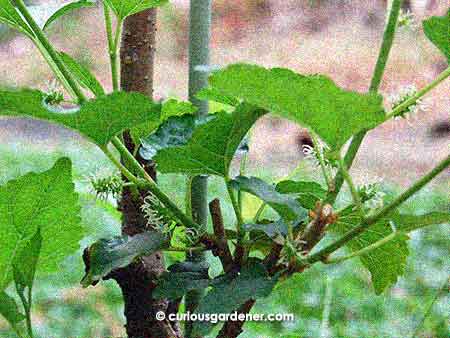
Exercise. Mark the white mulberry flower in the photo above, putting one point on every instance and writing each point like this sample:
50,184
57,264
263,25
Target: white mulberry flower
104,184
404,94
151,213
407,19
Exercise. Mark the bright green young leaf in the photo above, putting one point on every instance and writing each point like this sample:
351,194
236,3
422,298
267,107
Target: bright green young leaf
11,17
67,9
169,108
229,294
212,94
105,255
313,101
47,201
437,30
174,107
98,119
286,206
385,263
9,309
182,278
26,261
307,193
175,131
124,8
83,76
212,145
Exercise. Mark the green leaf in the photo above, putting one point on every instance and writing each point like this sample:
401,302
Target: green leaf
212,145
175,131
437,30
25,263
212,94
313,101
385,263
98,119
271,229
124,8
105,255
9,309
174,107
169,108
11,17
47,201
182,278
286,206
229,294
83,76
307,193
67,9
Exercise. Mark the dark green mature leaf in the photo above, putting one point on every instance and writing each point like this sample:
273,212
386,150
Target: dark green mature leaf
227,295
175,131
437,30
286,206
67,9
182,278
307,193
169,108
9,309
124,8
47,201
385,263
313,101
83,76
212,145
11,17
212,94
105,255
271,229
98,119
25,263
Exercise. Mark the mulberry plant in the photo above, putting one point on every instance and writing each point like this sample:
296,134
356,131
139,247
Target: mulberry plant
40,220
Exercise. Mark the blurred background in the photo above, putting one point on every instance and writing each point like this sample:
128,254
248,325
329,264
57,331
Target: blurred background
339,38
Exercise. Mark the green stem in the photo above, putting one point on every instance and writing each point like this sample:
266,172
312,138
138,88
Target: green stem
27,308
242,169
120,166
50,50
386,45
351,185
402,107
112,45
259,212
411,191
179,249
148,183
237,211
367,222
363,251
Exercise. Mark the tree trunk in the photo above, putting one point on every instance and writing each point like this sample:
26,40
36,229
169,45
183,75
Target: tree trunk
137,281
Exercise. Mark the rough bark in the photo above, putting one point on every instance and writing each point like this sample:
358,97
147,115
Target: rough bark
137,280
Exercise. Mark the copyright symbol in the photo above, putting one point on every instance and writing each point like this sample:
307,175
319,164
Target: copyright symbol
160,315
